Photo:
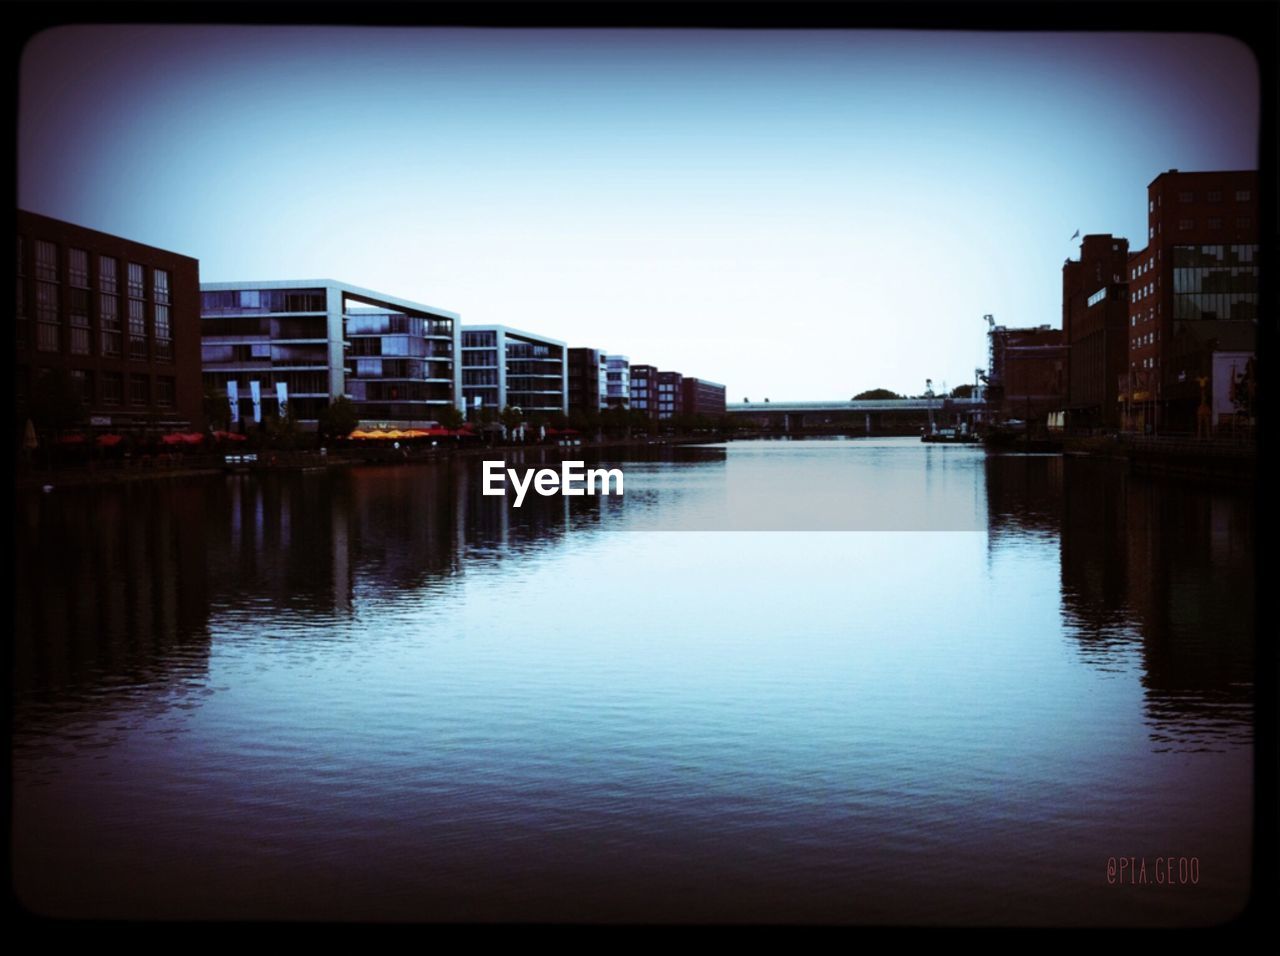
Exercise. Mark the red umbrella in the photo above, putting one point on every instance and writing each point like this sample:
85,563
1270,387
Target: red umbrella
193,438
173,438
71,440
110,441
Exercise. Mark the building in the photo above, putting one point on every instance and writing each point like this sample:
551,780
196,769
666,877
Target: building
588,381
644,386
318,339
1027,377
1095,321
504,367
668,393
619,381
1197,275
700,397
120,318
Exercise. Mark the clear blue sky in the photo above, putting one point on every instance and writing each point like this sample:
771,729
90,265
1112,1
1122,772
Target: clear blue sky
795,214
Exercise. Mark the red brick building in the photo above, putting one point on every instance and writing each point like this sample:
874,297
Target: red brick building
122,319
1028,372
1198,272
1095,320
700,397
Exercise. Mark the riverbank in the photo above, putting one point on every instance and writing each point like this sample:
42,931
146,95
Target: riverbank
249,460
1216,460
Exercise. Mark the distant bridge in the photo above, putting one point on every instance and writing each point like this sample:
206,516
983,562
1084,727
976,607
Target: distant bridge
855,405
868,416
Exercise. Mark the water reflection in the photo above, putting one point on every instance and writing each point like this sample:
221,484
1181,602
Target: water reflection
1157,569
279,695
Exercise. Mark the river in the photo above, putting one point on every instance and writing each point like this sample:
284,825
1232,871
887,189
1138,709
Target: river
860,681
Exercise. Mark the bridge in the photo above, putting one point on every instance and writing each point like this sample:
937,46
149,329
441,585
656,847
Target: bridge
896,416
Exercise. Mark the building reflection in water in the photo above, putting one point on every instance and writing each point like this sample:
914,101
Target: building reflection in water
117,586
1160,569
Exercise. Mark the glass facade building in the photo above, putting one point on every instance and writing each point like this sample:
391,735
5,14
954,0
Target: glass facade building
618,391
504,367
397,360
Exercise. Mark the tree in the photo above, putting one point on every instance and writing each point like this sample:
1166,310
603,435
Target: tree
450,417
875,394
57,401
962,391
339,418
512,417
283,432
216,409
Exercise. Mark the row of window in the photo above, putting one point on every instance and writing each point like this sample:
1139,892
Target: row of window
78,276
115,389
1214,255
396,324
1143,340
400,368
301,383
1242,222
144,343
263,301
1214,195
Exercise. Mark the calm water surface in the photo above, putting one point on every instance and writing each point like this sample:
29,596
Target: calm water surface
376,694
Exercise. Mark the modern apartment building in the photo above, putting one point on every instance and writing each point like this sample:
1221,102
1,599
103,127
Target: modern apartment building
701,397
668,394
319,339
588,381
644,384
1193,292
1095,321
619,381
504,367
119,317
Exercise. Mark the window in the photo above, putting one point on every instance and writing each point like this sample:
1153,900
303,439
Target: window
112,388
1186,223
137,330
109,323
164,335
164,391
46,317
79,341
82,382
1215,195
160,277
46,260
78,268
1215,223
139,390
1186,197
137,281
1243,195
107,274
1242,222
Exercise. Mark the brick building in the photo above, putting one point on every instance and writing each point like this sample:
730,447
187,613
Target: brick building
1027,376
121,318
1095,321
1197,275
700,397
